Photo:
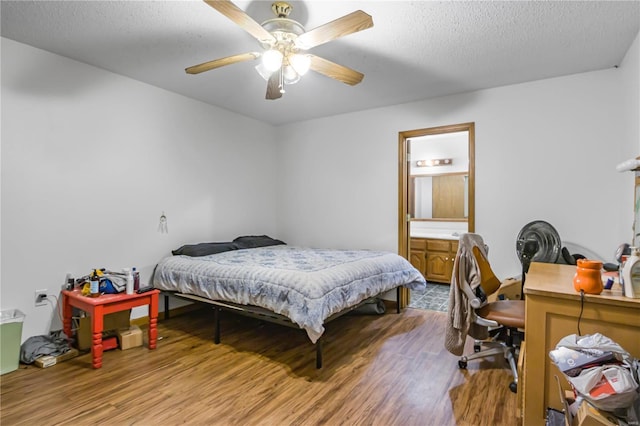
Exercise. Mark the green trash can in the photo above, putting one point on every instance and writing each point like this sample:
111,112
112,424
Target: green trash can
10,338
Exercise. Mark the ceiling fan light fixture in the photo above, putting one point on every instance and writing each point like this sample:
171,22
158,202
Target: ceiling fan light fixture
300,63
262,70
289,75
272,60
282,39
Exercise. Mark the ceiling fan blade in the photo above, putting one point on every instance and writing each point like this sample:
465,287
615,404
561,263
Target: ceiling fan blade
336,71
273,87
348,24
238,16
217,63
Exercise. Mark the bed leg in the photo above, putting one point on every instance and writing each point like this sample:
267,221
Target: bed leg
319,354
166,306
397,300
216,321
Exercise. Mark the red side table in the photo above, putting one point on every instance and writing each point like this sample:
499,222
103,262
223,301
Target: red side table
97,307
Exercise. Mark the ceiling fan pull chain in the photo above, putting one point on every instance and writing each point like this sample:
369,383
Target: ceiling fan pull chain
281,83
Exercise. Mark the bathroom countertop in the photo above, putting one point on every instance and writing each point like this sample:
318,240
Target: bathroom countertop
436,234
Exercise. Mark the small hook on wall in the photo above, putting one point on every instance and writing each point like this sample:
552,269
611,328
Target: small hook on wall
162,226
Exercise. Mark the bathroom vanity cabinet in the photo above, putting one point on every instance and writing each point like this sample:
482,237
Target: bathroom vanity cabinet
433,258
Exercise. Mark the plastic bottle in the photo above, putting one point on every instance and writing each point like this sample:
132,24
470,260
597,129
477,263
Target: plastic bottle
631,274
129,284
136,279
94,284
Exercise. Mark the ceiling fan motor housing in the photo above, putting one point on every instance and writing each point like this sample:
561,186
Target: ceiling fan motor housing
282,9
285,30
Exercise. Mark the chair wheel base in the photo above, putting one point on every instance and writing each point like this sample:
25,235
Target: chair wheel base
513,386
462,365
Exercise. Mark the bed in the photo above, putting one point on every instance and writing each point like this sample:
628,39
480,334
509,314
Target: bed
265,278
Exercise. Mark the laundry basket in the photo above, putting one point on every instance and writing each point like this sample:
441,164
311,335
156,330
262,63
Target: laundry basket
10,337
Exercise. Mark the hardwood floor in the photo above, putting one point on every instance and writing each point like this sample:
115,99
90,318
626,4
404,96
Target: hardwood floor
378,370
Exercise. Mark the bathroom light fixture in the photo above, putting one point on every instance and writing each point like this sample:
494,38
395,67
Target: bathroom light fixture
434,162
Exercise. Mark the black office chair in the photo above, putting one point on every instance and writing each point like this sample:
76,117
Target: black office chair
504,319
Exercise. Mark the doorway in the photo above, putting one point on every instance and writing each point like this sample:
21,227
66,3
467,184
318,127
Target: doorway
425,154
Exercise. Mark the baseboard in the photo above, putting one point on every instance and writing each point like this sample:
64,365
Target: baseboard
172,313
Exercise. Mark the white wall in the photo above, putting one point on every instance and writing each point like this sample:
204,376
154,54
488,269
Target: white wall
630,69
90,160
545,150
73,135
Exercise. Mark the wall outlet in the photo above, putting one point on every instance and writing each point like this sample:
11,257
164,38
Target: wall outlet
41,297
68,282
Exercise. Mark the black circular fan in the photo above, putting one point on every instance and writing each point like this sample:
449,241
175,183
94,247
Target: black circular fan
538,241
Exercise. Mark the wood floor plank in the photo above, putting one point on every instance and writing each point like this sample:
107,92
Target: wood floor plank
383,370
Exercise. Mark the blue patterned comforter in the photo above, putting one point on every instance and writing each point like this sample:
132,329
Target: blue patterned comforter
306,285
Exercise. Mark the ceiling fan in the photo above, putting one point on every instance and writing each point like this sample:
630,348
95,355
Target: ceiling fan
285,42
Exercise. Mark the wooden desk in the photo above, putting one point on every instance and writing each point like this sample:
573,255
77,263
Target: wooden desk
97,307
552,311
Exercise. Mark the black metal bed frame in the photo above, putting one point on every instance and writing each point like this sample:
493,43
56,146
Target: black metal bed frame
258,313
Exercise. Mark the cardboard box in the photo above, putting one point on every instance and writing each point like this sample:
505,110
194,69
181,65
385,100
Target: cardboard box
510,289
111,323
588,415
49,360
130,337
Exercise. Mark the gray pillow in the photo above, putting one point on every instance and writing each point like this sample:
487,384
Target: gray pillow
204,249
253,241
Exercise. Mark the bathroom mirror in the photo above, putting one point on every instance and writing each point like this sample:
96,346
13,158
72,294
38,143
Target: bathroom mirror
439,196
438,187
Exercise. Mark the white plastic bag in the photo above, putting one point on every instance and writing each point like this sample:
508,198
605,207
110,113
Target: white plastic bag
609,386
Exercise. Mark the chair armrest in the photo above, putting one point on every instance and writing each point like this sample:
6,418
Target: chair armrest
476,301
476,298
485,322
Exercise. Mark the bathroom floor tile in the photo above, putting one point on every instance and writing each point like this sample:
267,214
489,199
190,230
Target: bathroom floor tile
434,298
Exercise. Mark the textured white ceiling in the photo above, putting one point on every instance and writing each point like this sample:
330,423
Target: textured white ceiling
416,49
